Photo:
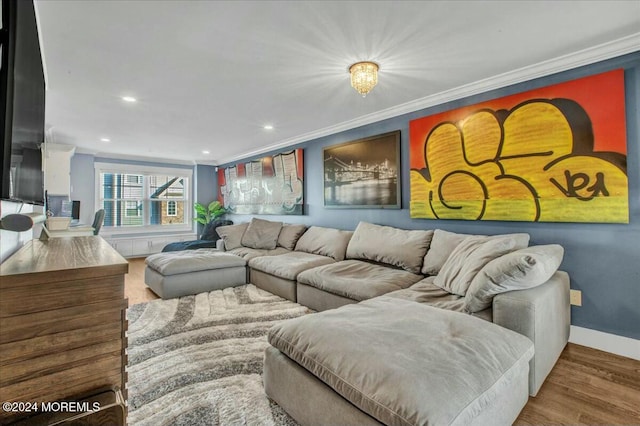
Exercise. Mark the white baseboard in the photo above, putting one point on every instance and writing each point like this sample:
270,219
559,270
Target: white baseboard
619,345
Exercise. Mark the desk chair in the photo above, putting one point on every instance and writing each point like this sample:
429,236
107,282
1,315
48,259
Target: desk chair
97,221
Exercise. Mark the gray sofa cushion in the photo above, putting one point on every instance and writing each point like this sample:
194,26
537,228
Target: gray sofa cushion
290,234
325,241
444,242
393,246
467,259
425,291
408,363
232,235
180,262
261,234
357,280
248,253
289,265
518,270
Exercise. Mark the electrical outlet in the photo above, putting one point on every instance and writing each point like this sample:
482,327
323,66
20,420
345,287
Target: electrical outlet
575,297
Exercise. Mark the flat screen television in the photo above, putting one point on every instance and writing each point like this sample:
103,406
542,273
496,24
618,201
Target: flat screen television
22,104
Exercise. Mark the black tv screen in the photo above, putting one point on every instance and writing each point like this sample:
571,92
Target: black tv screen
22,104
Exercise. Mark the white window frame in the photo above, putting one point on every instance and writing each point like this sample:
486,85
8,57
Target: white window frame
146,171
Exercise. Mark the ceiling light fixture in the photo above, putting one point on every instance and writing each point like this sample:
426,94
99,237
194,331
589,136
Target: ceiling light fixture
206,152
105,140
364,76
268,127
129,99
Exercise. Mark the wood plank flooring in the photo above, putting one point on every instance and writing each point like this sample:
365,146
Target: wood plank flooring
586,387
134,288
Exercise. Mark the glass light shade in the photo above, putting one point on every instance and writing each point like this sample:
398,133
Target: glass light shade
364,76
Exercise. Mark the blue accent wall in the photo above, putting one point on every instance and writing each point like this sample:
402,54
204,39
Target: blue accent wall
603,260
206,182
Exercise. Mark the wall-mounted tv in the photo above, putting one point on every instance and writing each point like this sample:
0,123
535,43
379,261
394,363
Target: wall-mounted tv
22,104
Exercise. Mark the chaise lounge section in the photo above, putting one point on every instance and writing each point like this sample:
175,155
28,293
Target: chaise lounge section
396,362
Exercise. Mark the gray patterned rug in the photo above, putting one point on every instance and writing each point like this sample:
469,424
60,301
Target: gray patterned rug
197,360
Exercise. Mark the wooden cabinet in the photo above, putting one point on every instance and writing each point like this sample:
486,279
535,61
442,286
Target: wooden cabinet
62,321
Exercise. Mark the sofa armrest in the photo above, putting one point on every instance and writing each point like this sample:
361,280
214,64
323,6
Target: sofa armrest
220,245
543,314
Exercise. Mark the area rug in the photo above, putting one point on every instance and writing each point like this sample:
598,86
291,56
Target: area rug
197,360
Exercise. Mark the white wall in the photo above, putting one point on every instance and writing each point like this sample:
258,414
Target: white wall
12,241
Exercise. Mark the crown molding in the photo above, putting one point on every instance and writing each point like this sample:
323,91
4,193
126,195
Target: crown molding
587,56
128,157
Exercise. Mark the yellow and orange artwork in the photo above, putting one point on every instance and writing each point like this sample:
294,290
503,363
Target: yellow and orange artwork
555,154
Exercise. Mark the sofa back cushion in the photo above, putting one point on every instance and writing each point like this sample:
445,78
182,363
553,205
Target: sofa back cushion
261,234
398,247
289,235
325,241
518,270
444,242
442,245
468,259
232,235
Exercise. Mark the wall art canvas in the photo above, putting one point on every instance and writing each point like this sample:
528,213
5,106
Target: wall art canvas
363,173
554,154
269,185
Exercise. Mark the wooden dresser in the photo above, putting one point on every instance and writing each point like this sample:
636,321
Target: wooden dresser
62,321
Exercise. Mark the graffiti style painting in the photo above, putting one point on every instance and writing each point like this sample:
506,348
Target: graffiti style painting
555,154
269,185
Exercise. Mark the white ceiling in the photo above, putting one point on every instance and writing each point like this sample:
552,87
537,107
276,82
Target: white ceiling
208,75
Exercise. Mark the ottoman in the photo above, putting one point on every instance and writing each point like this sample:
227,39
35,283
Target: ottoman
175,274
397,362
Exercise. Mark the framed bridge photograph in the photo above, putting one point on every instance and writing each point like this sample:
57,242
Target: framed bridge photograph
364,173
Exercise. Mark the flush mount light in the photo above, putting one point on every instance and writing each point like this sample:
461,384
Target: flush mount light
105,140
129,99
268,127
206,152
364,76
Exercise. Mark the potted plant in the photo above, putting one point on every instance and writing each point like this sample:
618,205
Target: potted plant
205,214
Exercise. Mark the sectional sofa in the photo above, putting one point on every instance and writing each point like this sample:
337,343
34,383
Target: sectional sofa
465,284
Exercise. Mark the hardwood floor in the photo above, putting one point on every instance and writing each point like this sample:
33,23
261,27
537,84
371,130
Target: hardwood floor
134,288
586,387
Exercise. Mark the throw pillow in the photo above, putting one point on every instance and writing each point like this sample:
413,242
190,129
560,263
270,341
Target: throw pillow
467,259
290,234
261,234
232,235
209,232
519,270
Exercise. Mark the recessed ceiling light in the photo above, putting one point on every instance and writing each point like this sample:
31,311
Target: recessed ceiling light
105,140
268,127
206,152
130,99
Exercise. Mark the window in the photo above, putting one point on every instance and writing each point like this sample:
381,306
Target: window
172,208
154,198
